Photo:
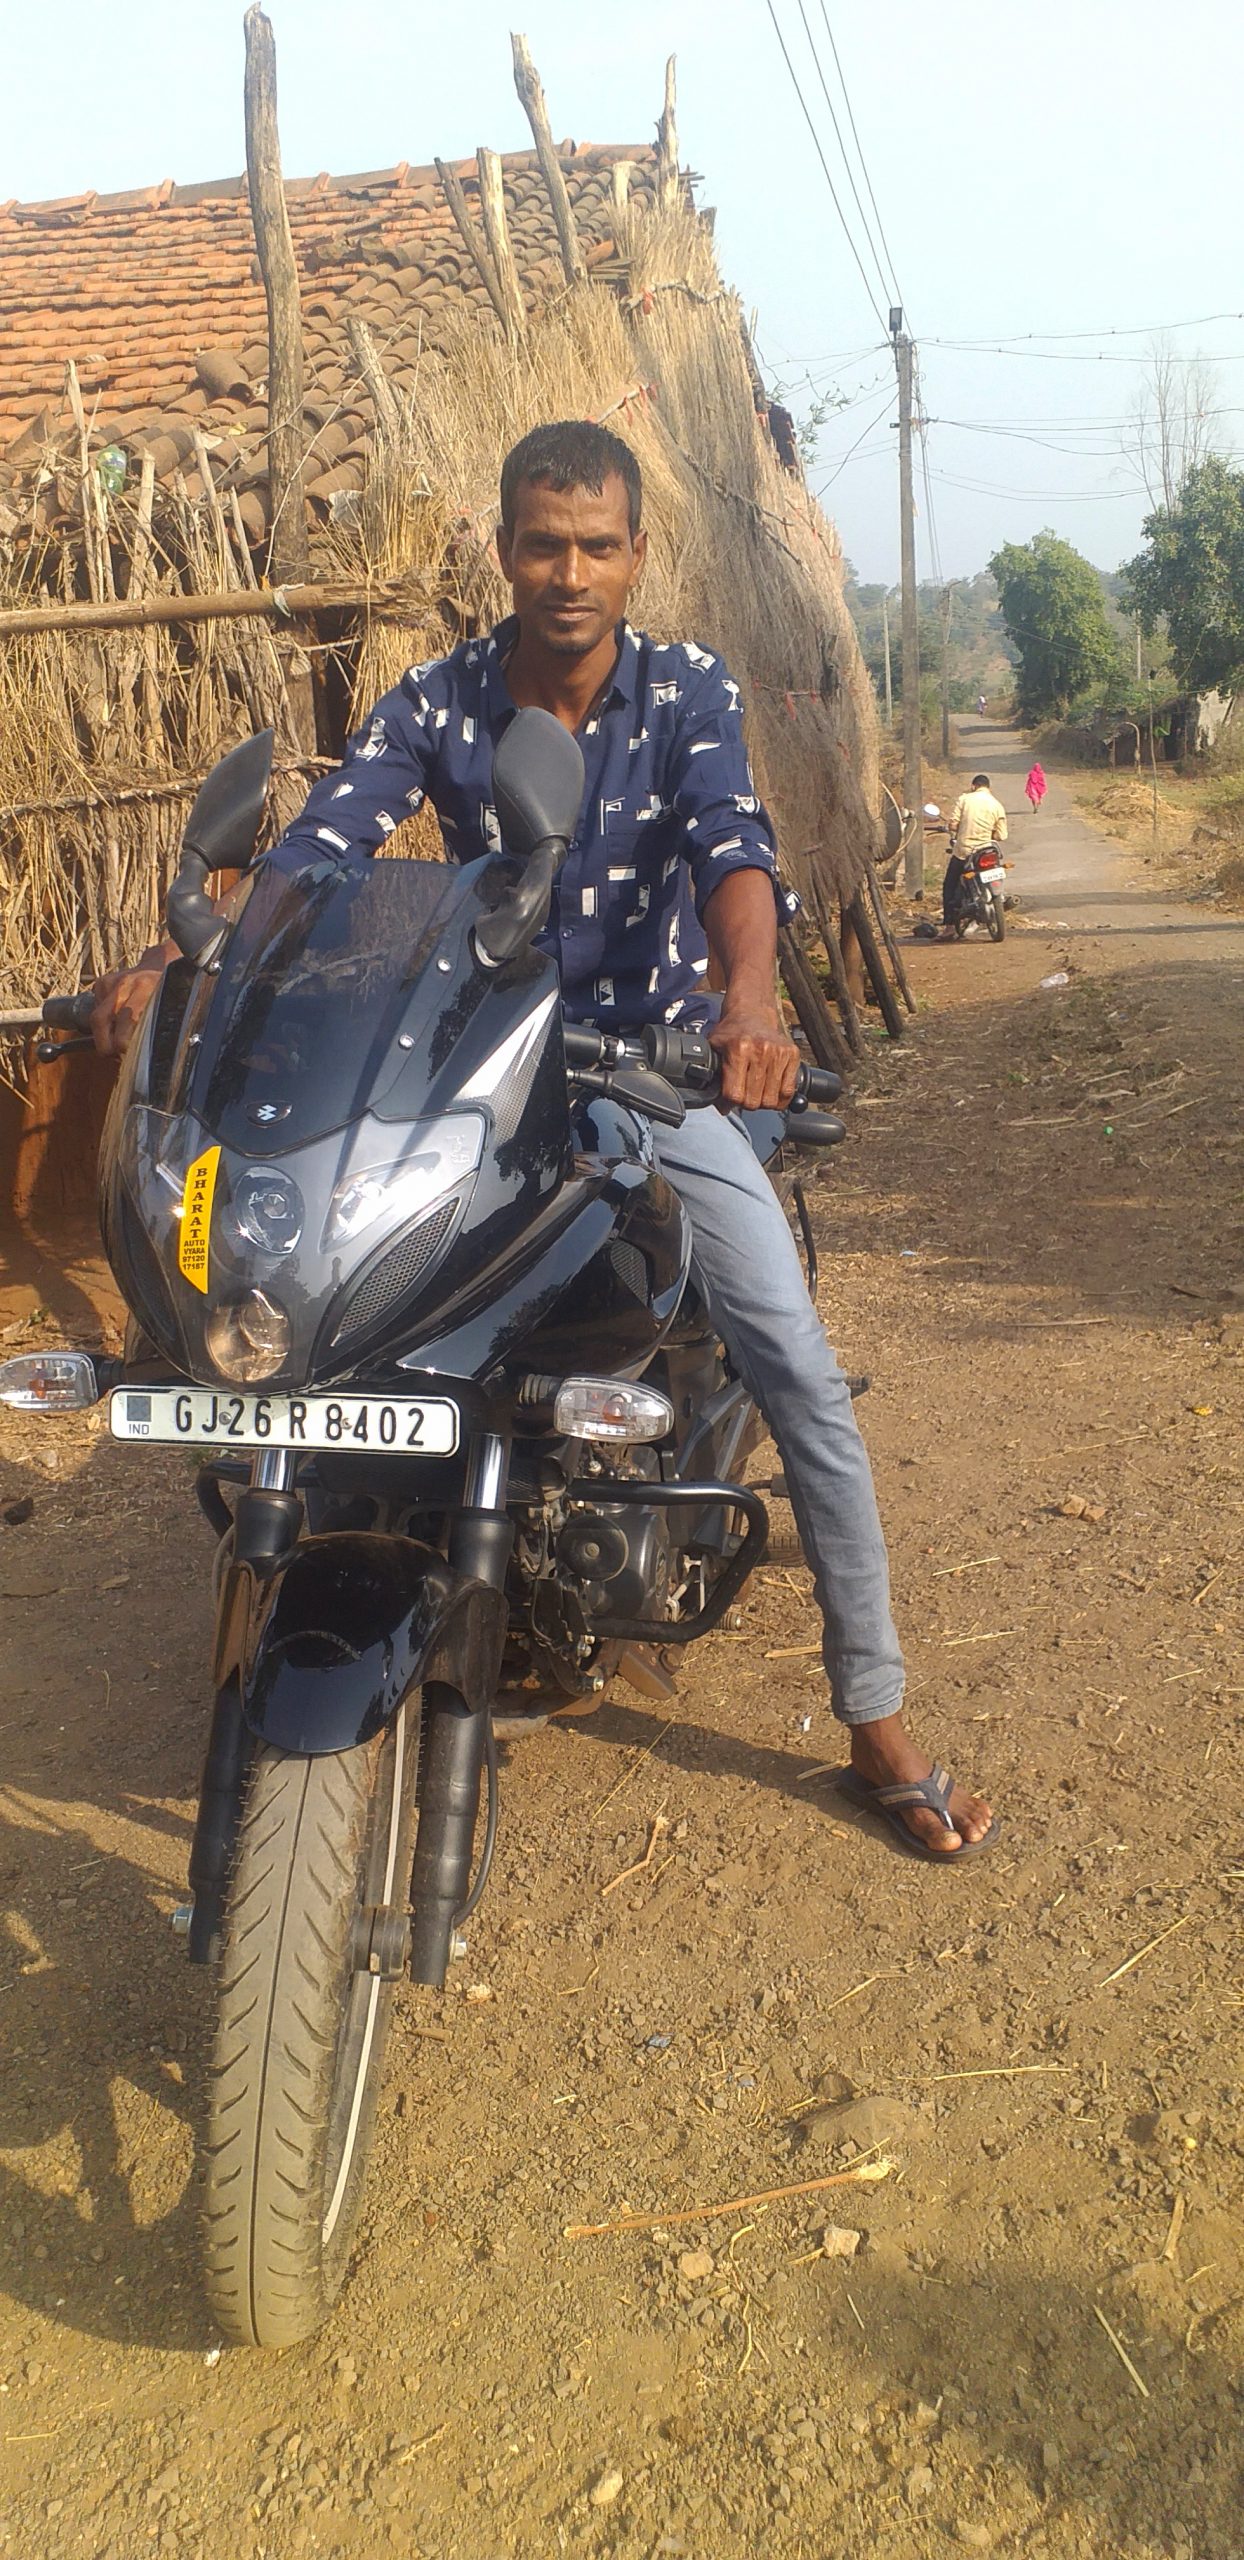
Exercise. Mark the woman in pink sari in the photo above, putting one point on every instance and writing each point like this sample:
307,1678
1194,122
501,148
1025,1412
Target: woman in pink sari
1035,787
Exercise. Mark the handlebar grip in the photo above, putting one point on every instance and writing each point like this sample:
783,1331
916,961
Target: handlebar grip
583,1046
816,1084
69,1013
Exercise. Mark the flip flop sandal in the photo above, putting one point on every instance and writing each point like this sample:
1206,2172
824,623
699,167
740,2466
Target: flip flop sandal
892,1802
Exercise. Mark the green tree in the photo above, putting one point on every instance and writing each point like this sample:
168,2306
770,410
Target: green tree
1192,572
1055,614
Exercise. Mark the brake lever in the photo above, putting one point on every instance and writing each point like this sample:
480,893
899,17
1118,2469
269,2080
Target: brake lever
47,1050
638,1087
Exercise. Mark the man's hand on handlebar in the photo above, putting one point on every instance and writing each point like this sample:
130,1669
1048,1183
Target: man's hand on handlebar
122,998
759,1060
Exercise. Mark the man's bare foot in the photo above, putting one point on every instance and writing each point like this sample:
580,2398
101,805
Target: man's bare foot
885,1755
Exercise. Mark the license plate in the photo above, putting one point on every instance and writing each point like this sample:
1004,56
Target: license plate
992,874
197,1418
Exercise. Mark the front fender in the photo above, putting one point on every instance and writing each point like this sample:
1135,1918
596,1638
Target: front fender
327,1649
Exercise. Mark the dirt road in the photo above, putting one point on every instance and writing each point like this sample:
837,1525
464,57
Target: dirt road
1035,1242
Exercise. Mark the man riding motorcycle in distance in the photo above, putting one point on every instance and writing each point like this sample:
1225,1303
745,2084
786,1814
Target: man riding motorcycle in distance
977,819
672,860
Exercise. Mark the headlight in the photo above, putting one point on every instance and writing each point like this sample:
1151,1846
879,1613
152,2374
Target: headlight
440,1157
248,1340
268,1209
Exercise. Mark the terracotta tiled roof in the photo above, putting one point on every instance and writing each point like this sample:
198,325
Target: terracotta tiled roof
156,295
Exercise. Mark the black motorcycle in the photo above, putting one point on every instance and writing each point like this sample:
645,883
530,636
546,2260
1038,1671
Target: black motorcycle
406,1279
981,896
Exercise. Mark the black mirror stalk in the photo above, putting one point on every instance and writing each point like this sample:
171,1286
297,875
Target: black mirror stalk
220,835
522,909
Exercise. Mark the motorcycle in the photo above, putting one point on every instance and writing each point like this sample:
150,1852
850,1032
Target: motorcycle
982,894
406,1280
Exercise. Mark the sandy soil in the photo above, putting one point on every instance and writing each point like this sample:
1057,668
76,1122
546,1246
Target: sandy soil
1034,1241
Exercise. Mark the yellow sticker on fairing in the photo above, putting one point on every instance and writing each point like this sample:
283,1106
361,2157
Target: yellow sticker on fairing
196,1218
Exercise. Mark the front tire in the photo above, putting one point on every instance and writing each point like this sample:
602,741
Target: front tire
300,2032
996,918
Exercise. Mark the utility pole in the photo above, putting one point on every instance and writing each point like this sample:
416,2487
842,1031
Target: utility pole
913,781
889,681
945,675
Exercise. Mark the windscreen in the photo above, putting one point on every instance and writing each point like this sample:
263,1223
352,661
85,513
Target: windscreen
298,1033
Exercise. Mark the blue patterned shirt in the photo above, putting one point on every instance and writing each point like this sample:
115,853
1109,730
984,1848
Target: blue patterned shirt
669,808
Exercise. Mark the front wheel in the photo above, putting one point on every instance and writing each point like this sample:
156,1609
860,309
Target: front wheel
996,918
300,2032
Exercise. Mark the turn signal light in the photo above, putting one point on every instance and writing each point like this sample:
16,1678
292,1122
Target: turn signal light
49,1381
611,1409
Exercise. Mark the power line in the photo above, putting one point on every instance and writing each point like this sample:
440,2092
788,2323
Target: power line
1062,337
824,163
922,423
898,296
833,118
1053,355
849,456
1051,497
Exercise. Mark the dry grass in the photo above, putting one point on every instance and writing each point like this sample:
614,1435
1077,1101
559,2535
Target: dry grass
740,558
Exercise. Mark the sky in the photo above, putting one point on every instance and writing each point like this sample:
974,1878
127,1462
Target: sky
1054,186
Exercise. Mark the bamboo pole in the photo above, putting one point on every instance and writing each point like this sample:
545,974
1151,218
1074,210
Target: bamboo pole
275,245
288,550
497,234
472,242
527,83
668,187
233,604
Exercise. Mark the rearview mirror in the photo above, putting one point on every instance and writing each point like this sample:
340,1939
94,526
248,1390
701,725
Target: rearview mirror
224,821
537,783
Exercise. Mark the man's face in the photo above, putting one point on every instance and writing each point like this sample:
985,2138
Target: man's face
571,563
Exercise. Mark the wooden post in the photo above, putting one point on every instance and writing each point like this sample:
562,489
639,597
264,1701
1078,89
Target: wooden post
913,780
527,83
861,924
372,374
668,185
945,675
288,551
472,242
142,582
884,927
620,184
232,604
497,235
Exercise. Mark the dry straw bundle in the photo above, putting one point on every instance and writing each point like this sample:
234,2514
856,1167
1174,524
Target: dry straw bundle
740,556
104,736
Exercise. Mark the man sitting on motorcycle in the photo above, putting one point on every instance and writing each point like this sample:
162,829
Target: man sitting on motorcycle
672,860
977,819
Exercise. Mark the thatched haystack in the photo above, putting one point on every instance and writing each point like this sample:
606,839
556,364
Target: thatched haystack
104,733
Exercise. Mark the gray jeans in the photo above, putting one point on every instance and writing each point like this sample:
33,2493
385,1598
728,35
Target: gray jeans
747,1265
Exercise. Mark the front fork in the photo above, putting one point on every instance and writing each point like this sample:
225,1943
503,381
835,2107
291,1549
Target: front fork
275,1516
455,1735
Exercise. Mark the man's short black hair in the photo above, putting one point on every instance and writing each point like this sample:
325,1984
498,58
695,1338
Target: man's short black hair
571,454
980,782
